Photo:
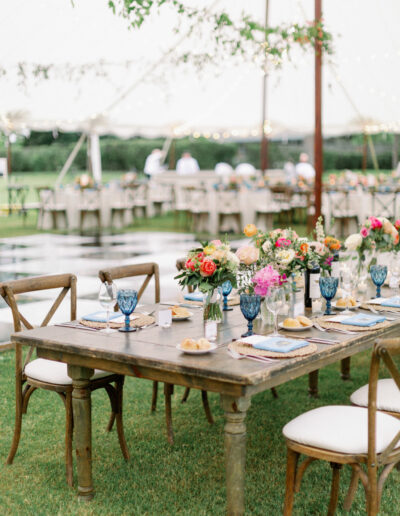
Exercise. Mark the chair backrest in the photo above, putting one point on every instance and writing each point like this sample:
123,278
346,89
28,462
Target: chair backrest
128,271
10,289
384,350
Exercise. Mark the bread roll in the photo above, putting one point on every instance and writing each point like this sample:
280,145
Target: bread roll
203,344
291,323
189,344
304,321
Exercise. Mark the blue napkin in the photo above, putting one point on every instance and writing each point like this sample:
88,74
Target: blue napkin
194,296
101,316
364,320
392,301
280,344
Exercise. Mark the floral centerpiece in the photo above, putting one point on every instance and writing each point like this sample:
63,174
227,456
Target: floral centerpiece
207,267
322,249
376,234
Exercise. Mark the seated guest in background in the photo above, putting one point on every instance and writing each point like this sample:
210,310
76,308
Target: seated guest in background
153,165
187,165
304,169
245,169
223,169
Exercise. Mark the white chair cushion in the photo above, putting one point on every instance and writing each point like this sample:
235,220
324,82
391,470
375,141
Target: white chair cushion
341,428
50,371
388,396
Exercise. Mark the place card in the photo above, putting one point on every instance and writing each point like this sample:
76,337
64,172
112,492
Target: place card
164,318
210,330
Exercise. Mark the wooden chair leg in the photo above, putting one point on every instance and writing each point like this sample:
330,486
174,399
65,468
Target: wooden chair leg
274,393
168,389
352,489
28,391
291,466
18,405
119,385
313,384
154,397
334,488
345,369
204,397
185,395
68,438
114,405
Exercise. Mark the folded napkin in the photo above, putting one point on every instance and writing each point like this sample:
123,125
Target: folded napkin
101,316
277,344
363,320
194,296
393,302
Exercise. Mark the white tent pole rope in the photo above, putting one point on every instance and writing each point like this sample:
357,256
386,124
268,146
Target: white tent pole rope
124,94
71,158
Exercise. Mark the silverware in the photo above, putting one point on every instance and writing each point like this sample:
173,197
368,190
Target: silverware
77,326
374,311
185,305
239,356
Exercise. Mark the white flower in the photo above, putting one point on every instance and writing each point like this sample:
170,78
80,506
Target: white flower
353,241
231,257
285,256
266,246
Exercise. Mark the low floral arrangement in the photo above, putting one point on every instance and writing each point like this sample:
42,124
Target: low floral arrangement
377,233
84,181
207,267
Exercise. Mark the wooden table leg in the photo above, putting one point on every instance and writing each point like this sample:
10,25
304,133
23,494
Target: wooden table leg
235,451
81,405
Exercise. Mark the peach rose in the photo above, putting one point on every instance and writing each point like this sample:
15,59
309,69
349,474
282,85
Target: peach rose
250,230
248,254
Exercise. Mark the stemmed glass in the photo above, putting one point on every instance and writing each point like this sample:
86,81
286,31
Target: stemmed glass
250,306
378,276
107,298
328,287
275,301
346,278
226,290
395,270
127,301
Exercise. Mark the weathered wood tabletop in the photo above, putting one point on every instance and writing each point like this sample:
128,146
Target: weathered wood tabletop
151,353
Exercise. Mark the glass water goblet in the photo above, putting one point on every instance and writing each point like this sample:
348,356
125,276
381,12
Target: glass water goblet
395,270
107,299
328,287
378,276
127,301
275,301
347,281
250,306
226,290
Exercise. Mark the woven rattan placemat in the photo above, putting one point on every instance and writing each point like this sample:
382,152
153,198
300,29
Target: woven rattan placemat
322,321
142,320
379,308
246,349
231,302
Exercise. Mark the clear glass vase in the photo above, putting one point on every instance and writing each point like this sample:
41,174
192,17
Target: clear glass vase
212,306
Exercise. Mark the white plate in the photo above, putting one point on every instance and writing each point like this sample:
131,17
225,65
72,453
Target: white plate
301,328
346,307
181,318
197,351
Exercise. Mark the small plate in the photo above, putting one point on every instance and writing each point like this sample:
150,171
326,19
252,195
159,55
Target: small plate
197,351
182,317
345,307
301,328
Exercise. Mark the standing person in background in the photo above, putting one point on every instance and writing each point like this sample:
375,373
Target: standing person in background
187,165
304,169
153,165
290,172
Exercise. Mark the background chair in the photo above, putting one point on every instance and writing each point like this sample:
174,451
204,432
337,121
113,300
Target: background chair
49,375
364,438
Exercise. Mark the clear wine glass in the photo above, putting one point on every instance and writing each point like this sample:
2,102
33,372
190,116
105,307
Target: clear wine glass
395,270
107,299
346,280
275,302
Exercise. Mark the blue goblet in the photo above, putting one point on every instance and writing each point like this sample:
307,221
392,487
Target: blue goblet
250,306
378,276
127,301
226,290
328,287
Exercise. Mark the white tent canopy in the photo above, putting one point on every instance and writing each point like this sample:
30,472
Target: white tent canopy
142,93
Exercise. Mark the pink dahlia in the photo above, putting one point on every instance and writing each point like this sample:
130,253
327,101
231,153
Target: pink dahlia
265,279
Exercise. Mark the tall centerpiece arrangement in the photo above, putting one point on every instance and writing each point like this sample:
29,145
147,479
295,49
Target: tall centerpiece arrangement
376,234
207,267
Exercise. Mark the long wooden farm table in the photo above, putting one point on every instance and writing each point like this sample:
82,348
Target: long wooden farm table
151,354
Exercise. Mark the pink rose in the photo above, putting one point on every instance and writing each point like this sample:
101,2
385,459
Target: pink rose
248,254
281,242
364,232
265,279
375,223
217,243
397,224
189,265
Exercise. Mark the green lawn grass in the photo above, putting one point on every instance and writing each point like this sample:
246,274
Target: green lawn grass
187,478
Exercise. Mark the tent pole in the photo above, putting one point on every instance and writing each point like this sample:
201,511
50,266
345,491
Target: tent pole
373,153
71,158
318,144
264,138
395,151
172,159
365,152
9,167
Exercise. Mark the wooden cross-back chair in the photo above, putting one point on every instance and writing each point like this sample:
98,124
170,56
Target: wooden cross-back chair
49,375
365,438
150,270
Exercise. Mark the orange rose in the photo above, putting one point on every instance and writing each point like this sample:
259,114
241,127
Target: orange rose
250,230
207,267
304,248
